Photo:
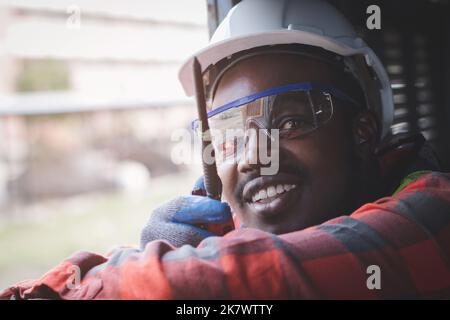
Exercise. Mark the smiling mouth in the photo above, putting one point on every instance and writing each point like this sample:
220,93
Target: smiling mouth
266,195
271,196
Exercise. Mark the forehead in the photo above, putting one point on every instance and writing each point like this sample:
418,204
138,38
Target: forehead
266,71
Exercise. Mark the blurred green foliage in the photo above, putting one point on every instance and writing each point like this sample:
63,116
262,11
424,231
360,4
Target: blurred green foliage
43,75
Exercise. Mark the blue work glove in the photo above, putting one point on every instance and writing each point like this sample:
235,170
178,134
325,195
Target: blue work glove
199,187
188,220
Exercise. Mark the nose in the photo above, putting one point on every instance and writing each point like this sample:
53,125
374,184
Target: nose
249,159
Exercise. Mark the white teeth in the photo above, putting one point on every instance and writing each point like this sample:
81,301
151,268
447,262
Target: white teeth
288,187
272,191
263,194
256,197
280,188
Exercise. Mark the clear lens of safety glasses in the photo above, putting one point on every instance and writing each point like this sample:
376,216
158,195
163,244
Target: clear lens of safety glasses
293,111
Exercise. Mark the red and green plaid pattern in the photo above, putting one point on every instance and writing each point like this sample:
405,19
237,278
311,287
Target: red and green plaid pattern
406,235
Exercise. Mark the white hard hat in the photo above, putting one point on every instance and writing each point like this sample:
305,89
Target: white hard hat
256,23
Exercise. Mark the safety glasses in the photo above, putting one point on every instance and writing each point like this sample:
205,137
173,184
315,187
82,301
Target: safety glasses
293,111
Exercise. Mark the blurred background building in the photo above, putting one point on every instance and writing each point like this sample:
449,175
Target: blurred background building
89,98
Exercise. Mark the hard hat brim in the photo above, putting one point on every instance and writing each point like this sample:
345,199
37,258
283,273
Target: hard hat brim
220,50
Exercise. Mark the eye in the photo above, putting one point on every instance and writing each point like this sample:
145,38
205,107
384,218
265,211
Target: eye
292,124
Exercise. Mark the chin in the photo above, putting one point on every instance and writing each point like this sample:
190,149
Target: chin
279,227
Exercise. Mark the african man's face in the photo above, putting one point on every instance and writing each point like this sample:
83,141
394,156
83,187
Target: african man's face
316,179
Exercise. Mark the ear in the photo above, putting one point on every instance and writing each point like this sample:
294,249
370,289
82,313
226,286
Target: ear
365,133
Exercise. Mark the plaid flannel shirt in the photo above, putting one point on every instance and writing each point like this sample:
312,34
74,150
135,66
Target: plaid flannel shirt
406,235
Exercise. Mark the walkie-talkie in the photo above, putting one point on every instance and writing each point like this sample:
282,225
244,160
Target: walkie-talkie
212,181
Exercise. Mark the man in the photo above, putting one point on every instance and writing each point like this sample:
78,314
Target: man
332,211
